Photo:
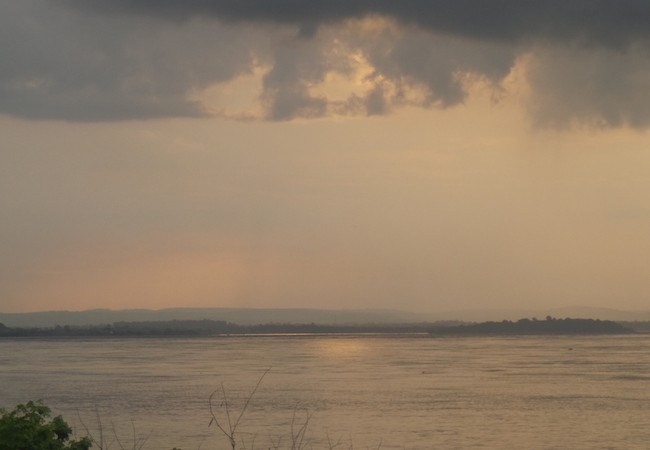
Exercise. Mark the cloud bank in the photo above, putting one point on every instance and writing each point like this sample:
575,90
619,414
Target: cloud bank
93,60
602,21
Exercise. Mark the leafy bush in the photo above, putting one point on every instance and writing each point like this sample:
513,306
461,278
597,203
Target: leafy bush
29,427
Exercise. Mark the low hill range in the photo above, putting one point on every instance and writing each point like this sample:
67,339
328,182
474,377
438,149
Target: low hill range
252,316
241,316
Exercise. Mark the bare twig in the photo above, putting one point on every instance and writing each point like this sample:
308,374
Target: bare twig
243,410
100,443
275,445
332,445
298,437
231,431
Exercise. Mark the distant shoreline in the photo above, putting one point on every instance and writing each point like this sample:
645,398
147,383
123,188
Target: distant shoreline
222,329
534,327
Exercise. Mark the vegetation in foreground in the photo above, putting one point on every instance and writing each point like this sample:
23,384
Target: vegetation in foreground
29,427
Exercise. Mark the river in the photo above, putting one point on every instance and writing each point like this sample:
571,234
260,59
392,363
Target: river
362,392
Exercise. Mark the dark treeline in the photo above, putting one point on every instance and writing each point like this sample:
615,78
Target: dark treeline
211,328
640,326
173,328
550,325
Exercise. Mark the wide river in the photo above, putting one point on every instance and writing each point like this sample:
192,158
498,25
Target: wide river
367,392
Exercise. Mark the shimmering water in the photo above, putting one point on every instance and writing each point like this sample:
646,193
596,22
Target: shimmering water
365,392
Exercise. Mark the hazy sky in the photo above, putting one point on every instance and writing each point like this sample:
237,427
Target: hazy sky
422,155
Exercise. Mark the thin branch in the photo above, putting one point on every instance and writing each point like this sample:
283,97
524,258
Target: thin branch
230,433
117,438
243,410
214,417
297,438
225,402
332,445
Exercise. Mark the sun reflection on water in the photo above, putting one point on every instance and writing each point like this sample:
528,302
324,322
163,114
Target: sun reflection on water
342,347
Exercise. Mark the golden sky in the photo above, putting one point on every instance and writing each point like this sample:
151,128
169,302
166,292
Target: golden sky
368,157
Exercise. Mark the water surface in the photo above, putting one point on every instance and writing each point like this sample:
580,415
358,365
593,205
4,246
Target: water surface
368,392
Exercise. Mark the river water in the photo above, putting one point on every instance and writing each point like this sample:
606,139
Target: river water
415,392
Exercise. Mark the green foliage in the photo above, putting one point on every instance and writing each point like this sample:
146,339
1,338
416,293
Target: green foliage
29,427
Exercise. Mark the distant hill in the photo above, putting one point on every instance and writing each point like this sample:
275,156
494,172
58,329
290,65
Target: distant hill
252,316
235,315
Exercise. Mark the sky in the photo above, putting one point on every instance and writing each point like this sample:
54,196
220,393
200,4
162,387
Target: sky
417,155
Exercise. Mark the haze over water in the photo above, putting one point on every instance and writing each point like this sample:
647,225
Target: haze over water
343,155
370,392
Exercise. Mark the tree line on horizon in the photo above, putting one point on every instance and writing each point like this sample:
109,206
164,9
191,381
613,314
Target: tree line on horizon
550,325
211,327
206,327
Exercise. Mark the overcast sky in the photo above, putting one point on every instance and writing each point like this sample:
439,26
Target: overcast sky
421,155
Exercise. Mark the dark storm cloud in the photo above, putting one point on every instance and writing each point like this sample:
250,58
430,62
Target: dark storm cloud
58,64
601,87
601,21
95,60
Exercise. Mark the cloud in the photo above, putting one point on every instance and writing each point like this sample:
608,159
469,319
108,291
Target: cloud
93,60
605,21
59,64
600,87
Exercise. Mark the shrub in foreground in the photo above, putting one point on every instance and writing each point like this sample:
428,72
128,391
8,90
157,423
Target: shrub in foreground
29,427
